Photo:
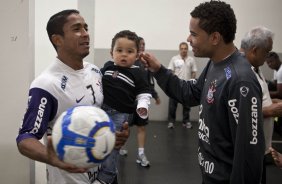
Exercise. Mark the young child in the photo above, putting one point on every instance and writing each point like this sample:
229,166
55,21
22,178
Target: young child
139,122
124,84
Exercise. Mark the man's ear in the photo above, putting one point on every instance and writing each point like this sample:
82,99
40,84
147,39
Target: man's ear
254,51
215,38
57,40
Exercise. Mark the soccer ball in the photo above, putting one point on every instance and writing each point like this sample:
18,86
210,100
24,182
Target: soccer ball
83,136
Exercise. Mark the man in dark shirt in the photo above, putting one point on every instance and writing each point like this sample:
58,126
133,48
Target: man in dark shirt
231,140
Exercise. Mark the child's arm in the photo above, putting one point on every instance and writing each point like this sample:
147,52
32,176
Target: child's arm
143,102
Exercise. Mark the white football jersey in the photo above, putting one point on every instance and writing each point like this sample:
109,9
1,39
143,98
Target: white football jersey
58,88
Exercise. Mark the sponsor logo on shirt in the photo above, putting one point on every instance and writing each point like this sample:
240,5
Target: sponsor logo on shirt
79,100
210,97
208,166
227,72
254,114
115,74
234,109
64,81
40,113
244,91
93,173
96,70
204,131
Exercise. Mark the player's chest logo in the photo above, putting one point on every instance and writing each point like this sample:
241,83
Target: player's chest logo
228,73
211,91
64,81
79,100
115,74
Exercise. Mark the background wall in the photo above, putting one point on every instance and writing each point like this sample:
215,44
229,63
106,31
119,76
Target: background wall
165,23
16,73
26,51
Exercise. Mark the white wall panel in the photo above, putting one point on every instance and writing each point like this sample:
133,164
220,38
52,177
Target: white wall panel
165,23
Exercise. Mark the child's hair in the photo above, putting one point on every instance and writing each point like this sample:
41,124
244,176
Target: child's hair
126,34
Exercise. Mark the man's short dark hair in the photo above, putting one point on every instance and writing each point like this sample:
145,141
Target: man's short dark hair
216,16
56,23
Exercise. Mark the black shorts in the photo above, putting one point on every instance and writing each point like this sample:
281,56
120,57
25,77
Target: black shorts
134,119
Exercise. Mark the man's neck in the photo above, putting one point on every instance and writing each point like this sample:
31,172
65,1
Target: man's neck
223,52
74,63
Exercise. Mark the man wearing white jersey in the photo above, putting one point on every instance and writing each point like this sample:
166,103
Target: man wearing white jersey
67,82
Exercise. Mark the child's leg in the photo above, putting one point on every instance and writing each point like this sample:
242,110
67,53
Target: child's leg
108,171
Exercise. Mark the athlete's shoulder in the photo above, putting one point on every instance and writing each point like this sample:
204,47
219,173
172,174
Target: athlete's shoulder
241,66
52,78
242,72
92,68
45,79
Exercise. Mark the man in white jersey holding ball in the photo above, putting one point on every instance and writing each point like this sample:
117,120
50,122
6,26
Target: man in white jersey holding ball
67,82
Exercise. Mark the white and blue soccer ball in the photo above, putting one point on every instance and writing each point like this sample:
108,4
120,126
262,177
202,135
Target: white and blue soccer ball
83,136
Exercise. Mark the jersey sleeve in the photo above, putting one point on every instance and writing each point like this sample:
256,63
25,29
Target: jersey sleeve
245,117
142,83
185,92
42,108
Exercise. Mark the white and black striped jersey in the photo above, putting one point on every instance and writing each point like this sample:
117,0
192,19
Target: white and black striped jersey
231,140
58,88
122,85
